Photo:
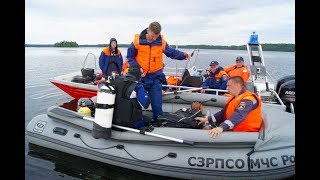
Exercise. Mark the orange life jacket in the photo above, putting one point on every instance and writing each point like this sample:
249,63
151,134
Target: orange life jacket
219,75
242,71
253,120
149,58
125,67
172,80
107,51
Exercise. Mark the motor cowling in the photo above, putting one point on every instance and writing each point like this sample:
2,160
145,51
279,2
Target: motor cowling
104,112
283,80
286,91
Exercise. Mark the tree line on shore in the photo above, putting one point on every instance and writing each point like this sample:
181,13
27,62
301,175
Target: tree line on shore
66,44
266,47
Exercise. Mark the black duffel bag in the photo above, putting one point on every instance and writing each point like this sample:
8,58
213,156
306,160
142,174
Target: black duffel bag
88,72
180,119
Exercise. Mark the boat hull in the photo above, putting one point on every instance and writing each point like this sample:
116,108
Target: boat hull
222,158
74,89
76,92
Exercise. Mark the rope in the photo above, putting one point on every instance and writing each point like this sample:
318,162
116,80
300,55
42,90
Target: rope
119,146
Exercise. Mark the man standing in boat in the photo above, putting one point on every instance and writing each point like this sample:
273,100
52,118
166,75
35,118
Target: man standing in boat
238,69
242,112
146,51
110,59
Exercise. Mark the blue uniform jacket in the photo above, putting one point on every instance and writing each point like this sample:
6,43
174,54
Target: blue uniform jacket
216,83
104,62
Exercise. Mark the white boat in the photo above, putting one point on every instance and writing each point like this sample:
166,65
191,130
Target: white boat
282,92
177,152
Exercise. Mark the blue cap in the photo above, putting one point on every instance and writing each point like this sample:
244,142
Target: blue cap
214,63
239,58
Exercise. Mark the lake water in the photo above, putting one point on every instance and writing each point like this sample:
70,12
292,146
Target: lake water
44,63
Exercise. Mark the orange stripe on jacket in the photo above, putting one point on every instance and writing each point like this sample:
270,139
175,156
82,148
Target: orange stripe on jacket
219,75
107,51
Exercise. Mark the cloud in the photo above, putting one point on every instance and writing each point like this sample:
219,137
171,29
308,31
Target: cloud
215,22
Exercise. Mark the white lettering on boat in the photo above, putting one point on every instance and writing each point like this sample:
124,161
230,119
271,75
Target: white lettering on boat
290,93
258,163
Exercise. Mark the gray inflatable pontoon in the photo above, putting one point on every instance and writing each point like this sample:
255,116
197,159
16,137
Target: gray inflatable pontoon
268,154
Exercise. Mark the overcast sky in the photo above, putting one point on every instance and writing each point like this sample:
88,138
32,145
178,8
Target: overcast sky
212,22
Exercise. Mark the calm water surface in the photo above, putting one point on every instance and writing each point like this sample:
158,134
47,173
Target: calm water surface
44,63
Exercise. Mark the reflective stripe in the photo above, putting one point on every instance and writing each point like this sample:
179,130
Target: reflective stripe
213,118
254,101
229,123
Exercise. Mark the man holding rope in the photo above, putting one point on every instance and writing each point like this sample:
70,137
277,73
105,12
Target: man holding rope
146,51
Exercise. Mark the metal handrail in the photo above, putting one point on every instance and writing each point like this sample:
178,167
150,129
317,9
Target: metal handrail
292,108
276,94
195,88
220,90
95,63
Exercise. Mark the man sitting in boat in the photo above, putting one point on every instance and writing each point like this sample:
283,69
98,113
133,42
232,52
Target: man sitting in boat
238,69
242,112
110,59
217,78
130,98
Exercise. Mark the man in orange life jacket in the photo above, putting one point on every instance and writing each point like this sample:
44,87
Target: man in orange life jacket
242,112
146,51
110,59
217,78
238,69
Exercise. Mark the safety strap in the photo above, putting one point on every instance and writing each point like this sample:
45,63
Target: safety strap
108,91
104,106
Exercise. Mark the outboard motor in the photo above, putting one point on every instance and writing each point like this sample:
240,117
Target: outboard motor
286,90
104,112
283,80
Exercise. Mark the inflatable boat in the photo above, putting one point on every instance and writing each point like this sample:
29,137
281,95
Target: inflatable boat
84,83
176,152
